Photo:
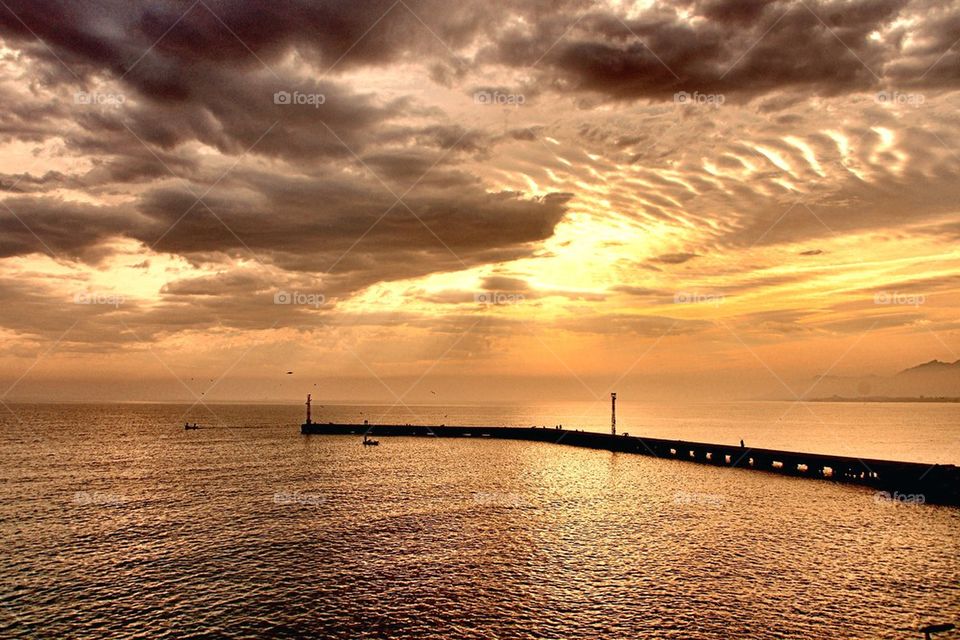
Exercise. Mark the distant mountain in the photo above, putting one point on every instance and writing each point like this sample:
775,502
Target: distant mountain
934,379
933,365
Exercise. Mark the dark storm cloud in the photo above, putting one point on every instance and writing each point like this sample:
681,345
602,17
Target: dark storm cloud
734,11
330,214
152,42
735,47
353,233
331,207
176,52
27,183
160,46
314,210
203,76
235,112
61,229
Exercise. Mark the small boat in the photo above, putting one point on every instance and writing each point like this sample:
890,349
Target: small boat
367,442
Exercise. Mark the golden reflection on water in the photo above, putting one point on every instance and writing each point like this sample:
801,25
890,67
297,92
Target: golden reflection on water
258,531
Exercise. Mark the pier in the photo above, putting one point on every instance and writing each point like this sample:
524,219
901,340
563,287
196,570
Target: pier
908,481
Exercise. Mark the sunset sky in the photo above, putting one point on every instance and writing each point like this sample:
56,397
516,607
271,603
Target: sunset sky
473,201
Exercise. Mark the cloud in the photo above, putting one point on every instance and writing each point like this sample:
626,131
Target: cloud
634,325
149,42
642,292
675,258
504,283
734,48
388,171
62,229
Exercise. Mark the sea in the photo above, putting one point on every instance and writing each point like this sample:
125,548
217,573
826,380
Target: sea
116,522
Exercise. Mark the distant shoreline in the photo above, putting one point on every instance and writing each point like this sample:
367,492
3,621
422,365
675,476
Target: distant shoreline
944,399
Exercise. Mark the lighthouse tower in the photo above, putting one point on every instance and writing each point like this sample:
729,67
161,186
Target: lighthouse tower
613,413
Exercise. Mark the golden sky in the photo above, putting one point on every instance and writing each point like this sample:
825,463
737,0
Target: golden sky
458,203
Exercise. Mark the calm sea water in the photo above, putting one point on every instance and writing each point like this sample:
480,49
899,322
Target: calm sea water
115,522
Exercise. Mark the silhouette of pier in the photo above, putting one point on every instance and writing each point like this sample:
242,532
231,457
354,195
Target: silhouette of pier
905,481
